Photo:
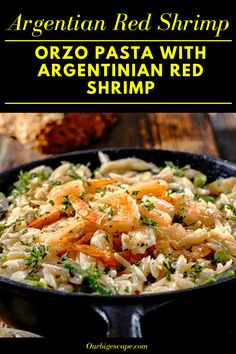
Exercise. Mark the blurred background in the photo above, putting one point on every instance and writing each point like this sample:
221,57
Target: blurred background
29,136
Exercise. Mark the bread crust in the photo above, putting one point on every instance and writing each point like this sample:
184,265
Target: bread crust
51,133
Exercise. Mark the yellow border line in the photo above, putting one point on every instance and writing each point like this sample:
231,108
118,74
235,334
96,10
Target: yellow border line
118,40
82,103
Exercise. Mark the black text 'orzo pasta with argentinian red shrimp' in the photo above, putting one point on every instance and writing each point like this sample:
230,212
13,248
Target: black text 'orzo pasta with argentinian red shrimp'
129,227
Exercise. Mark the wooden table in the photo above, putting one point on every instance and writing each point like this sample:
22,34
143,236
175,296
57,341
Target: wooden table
212,134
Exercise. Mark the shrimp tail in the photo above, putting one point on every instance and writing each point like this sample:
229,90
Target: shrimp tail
106,257
46,219
83,210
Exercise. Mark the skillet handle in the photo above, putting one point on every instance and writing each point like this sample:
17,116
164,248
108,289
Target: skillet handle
122,321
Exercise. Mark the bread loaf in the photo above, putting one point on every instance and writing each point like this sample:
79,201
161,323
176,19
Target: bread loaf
52,133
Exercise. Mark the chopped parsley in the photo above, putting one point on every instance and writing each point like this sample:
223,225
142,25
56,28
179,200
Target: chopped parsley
168,276
209,228
169,264
206,198
22,186
37,283
89,278
149,205
15,223
56,183
37,253
65,256
150,223
3,257
228,206
65,201
111,213
179,172
175,190
220,256
197,268
226,274
171,165
189,248
195,271
72,171
135,193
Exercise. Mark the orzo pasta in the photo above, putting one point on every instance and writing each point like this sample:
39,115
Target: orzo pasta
129,227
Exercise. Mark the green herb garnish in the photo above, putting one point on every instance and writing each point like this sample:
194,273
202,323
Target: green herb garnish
72,171
171,165
149,205
111,213
206,198
89,278
65,201
37,283
199,180
15,223
22,186
228,206
150,223
37,253
220,256
196,269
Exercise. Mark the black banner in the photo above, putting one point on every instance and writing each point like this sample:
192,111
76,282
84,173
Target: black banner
159,56
153,56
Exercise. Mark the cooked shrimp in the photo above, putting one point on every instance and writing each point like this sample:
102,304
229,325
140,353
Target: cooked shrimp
59,192
85,239
157,209
193,211
106,257
83,210
63,236
175,231
157,188
132,258
123,215
92,185
47,219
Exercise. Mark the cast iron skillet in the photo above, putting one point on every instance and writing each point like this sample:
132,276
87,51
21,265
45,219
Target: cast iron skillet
52,313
